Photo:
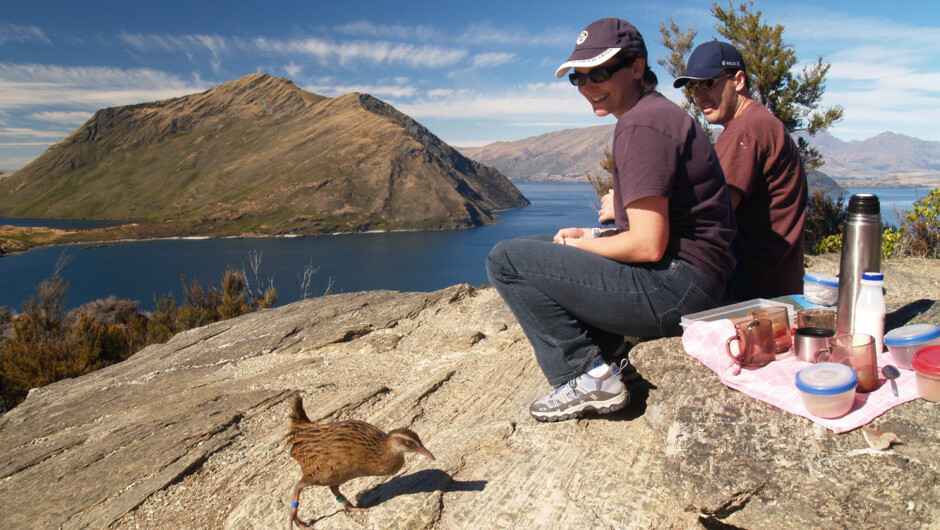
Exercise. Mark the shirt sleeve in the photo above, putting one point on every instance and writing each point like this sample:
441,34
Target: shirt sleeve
646,163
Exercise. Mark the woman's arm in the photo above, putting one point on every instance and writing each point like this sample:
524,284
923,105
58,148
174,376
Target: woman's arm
645,242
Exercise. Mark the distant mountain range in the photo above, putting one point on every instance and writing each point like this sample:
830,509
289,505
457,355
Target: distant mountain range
887,160
258,155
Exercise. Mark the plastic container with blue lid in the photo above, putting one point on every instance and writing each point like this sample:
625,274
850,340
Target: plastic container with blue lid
819,288
827,389
903,342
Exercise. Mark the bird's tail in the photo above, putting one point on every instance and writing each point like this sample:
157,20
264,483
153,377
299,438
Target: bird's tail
297,414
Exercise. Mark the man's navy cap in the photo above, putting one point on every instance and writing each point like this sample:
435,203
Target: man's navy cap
708,60
600,41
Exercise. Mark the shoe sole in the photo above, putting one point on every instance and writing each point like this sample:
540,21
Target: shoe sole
576,411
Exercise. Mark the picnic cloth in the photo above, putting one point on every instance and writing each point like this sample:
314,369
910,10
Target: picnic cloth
775,383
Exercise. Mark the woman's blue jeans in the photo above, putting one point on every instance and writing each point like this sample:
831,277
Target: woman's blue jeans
573,304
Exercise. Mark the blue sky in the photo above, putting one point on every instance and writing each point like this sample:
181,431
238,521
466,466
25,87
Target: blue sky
472,72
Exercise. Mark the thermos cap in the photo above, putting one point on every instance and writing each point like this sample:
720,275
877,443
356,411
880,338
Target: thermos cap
865,204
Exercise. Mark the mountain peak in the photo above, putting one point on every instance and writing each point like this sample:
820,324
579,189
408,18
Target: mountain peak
259,155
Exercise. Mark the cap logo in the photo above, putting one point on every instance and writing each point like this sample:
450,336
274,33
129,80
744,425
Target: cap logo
582,37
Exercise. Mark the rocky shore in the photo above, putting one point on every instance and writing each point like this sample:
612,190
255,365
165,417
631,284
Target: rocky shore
190,434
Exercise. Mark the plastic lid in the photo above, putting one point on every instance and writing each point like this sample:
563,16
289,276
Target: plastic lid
873,277
927,360
913,334
826,379
827,280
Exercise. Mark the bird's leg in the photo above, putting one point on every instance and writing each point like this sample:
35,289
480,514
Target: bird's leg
295,503
348,506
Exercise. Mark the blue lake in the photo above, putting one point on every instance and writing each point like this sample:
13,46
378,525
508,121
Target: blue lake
403,261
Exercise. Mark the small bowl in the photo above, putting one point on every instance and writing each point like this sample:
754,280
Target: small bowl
926,364
904,342
819,288
827,389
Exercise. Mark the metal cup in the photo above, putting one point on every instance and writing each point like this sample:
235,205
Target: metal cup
780,318
755,343
808,341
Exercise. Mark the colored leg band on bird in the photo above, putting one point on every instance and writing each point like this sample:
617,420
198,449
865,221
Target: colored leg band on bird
294,504
340,499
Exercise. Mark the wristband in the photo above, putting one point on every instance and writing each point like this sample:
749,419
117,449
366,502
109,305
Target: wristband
294,504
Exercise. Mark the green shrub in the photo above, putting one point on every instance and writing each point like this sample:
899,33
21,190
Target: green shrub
44,344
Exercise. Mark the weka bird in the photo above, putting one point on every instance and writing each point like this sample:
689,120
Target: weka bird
331,454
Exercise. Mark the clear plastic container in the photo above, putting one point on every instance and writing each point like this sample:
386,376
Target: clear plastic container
819,288
904,342
827,389
926,364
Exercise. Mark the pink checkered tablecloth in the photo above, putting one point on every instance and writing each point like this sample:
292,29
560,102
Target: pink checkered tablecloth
775,383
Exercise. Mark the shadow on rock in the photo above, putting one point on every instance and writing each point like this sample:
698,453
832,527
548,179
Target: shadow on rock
426,481
908,312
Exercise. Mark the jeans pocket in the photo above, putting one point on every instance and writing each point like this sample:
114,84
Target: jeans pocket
690,300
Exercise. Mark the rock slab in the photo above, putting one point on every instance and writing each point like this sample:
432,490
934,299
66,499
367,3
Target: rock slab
190,434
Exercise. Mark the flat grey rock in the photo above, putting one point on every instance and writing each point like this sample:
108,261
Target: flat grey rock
190,434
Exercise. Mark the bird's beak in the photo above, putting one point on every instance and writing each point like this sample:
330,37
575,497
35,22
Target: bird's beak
425,452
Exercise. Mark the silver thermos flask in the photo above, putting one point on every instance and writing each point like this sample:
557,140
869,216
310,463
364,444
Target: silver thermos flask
861,253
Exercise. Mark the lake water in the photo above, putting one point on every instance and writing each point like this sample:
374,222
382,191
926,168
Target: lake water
404,261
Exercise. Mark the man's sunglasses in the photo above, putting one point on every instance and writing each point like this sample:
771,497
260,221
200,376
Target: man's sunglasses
597,75
706,84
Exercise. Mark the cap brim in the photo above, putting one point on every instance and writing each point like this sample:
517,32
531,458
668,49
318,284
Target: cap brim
578,59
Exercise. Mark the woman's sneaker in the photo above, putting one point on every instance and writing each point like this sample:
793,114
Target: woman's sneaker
581,394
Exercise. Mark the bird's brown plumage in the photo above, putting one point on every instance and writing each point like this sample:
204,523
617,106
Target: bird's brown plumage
331,454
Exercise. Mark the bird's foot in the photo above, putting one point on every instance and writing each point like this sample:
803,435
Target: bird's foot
350,507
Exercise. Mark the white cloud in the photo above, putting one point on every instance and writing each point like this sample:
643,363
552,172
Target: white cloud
27,85
332,89
533,101
490,60
23,132
61,117
17,33
377,52
399,32
293,69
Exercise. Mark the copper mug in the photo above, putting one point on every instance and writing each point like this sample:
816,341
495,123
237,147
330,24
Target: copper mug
816,317
755,343
780,318
857,351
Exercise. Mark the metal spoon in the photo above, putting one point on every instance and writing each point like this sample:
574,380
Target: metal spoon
891,373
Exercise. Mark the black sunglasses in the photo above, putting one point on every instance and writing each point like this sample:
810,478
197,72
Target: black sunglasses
598,75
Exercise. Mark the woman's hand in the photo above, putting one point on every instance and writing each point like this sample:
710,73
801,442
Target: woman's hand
606,213
567,236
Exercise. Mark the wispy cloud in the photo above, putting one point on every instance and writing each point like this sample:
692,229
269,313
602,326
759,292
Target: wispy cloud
364,28
30,85
332,88
20,132
17,33
193,46
489,60
532,102
377,52
61,117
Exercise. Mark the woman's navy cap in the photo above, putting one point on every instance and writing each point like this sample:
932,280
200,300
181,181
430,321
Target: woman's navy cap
600,41
709,60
